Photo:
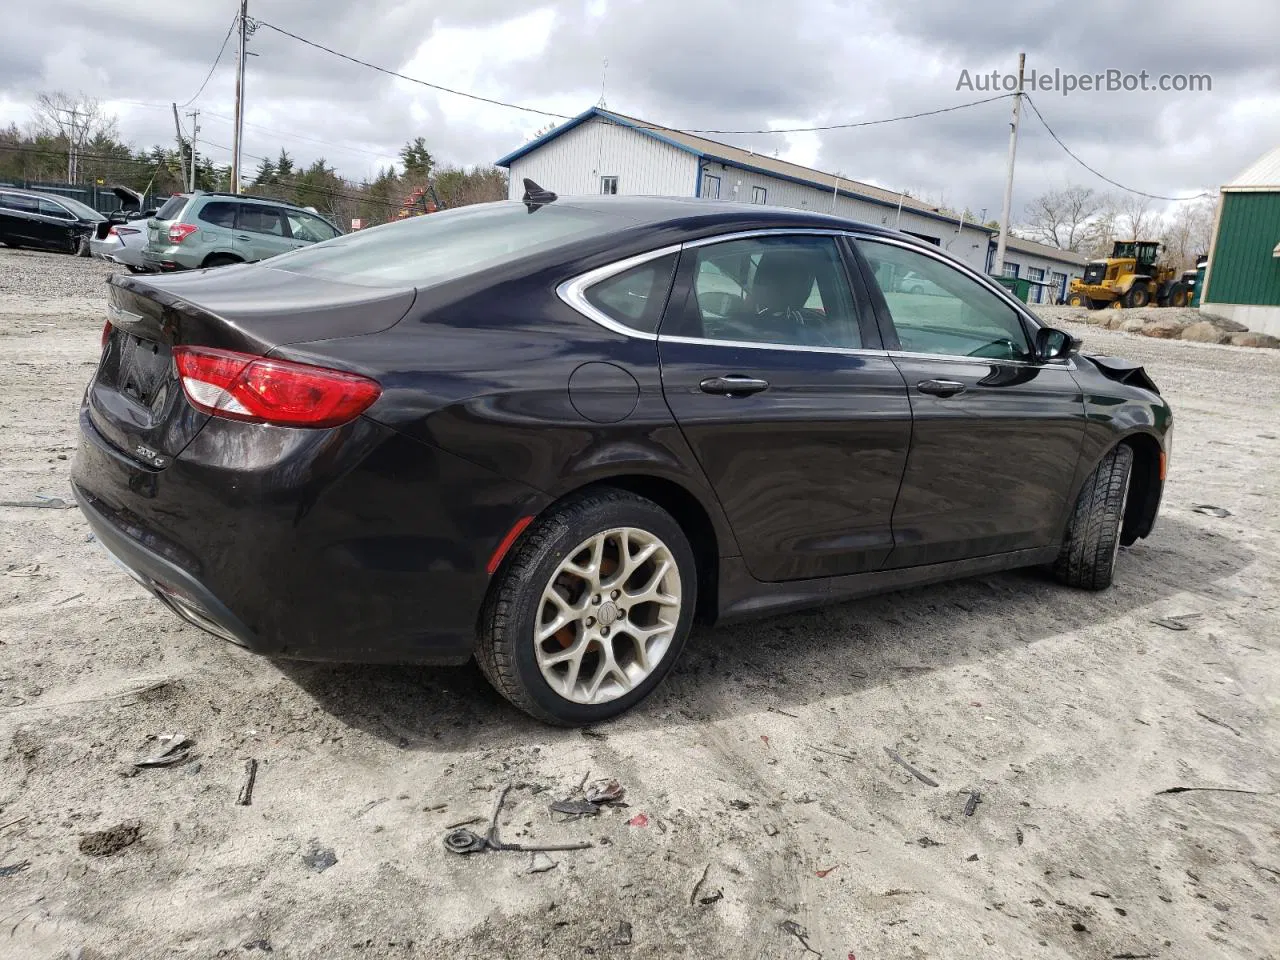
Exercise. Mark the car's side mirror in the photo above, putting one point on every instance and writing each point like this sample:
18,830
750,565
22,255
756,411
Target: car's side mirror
1052,344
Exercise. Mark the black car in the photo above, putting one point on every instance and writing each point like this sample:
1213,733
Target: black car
553,434
29,218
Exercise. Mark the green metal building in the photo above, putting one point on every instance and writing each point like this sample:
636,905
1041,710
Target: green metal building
1243,279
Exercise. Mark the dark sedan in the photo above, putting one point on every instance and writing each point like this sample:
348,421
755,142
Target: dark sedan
29,218
553,434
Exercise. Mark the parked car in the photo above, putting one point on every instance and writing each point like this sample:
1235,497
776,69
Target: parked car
513,431
196,230
30,218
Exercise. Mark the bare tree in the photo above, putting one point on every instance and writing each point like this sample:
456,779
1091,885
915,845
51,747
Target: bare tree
73,121
1188,232
1063,218
1136,216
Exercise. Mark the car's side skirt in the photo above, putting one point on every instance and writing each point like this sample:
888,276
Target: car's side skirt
742,596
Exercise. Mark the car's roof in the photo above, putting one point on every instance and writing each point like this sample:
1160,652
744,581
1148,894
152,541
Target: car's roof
676,211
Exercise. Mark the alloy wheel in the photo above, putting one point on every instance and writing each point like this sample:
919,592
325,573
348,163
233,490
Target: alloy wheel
608,615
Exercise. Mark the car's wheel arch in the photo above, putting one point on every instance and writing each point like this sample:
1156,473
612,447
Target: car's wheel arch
703,523
1145,485
229,257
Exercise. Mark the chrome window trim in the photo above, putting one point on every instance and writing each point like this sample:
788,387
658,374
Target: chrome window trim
1066,363
573,292
762,345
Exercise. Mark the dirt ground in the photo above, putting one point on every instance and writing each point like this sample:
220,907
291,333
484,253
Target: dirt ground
777,825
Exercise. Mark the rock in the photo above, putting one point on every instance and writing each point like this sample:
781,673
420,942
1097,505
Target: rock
1163,329
103,843
1251,339
1204,332
1114,320
1222,323
1132,324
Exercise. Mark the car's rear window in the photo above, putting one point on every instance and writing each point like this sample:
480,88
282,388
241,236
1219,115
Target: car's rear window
436,247
172,207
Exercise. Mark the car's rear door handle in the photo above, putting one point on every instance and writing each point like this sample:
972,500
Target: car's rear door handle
733,385
941,388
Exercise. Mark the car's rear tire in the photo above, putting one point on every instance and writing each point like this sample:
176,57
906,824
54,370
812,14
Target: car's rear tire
568,569
220,260
1077,300
1088,556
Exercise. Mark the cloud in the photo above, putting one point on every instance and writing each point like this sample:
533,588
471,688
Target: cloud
739,64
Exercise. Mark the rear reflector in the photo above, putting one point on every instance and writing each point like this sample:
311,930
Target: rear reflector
512,535
241,386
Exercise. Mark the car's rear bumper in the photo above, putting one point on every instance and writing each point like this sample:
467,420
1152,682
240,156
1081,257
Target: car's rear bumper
355,544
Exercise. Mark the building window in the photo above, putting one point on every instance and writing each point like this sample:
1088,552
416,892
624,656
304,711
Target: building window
1037,289
1010,269
609,185
759,195
710,186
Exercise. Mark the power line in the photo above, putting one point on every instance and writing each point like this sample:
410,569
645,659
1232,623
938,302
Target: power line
299,136
424,83
1101,176
844,126
216,60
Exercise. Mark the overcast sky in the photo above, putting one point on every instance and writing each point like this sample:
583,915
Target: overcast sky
686,63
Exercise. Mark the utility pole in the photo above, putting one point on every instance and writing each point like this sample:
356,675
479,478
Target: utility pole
182,154
195,132
239,130
997,267
71,147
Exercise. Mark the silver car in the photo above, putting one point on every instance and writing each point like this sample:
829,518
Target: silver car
124,244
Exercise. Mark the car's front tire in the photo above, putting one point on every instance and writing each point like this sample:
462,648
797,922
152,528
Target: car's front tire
1088,556
590,610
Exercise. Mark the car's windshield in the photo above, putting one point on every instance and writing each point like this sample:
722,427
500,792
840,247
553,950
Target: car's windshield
430,249
82,210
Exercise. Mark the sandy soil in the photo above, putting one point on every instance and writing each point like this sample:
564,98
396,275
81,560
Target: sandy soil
760,766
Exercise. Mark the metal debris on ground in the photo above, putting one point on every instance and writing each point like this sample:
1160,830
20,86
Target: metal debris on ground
1018,835
835,753
693,894
1217,722
74,596
10,869
1182,622
800,933
783,713
175,748
463,841
541,863
13,823
604,791
972,858
43,503
1256,793
622,938
319,858
1209,510
822,874
639,820
970,805
246,790
924,778
770,830
464,823
711,898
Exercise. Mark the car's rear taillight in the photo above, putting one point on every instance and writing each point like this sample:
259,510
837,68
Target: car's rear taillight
180,231
112,232
106,335
241,386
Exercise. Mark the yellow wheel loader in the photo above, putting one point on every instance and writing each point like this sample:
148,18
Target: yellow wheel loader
1130,277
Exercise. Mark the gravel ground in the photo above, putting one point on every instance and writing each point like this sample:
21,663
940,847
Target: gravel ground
776,822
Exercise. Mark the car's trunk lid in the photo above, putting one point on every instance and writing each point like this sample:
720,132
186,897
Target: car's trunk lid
136,400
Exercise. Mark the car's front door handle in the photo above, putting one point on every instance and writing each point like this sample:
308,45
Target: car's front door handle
241,236
941,388
733,385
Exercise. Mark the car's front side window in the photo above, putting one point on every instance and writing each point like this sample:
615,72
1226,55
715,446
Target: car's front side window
304,226
938,310
50,209
784,290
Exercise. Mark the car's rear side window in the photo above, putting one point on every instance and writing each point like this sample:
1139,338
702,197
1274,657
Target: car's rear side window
171,208
430,249
220,213
635,298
